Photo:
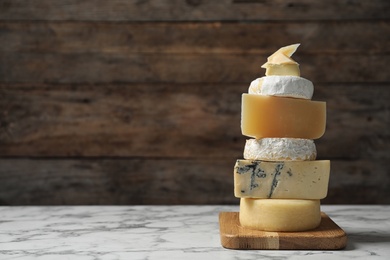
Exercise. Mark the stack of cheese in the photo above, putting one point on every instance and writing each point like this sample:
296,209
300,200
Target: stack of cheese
279,181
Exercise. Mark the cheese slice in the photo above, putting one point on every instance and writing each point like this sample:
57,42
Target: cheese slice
283,70
280,58
280,63
267,116
286,50
280,149
281,180
282,86
279,215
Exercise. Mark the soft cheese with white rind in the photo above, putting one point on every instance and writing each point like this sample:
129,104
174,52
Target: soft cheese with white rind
282,86
280,215
280,149
281,180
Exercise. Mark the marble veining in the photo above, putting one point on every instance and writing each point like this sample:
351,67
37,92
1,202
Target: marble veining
166,232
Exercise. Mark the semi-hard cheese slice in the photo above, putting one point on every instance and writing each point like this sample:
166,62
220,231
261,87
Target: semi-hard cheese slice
280,215
282,86
267,116
280,62
280,149
286,50
283,69
281,180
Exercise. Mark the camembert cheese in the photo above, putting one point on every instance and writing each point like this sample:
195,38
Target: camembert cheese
282,86
280,149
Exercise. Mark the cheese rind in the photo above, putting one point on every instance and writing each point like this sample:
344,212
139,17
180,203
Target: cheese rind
267,116
279,215
280,149
281,180
282,86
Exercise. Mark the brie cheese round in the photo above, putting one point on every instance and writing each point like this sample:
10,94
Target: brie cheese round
280,149
282,86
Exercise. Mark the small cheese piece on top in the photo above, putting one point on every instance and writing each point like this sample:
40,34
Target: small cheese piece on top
267,116
280,215
283,69
280,149
282,86
288,50
281,180
280,63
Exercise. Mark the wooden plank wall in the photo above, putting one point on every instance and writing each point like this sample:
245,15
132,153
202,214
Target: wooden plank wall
138,102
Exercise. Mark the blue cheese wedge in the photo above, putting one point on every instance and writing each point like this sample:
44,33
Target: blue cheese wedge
281,180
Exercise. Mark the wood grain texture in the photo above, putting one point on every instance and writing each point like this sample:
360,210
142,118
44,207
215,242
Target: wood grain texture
119,120
110,98
115,181
192,10
186,68
105,53
328,236
162,120
48,181
195,38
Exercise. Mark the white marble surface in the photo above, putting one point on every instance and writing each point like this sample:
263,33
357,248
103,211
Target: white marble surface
166,232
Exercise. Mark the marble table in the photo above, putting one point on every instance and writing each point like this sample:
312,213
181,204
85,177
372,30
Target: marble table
166,232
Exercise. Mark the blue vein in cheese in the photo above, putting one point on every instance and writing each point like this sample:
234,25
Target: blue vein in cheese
281,180
256,171
275,181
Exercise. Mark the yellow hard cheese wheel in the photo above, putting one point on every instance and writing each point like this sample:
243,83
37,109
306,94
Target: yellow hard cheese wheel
266,116
280,214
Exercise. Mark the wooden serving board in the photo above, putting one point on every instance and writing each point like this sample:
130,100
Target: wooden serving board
328,236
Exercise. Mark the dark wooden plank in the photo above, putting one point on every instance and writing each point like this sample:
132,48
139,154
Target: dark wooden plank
358,121
17,67
164,181
363,181
161,120
105,53
174,38
125,181
118,120
192,10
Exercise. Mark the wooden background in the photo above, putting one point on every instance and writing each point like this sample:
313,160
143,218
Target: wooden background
138,102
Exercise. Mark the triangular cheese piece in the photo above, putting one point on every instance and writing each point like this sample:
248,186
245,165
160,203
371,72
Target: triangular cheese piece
287,50
282,56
